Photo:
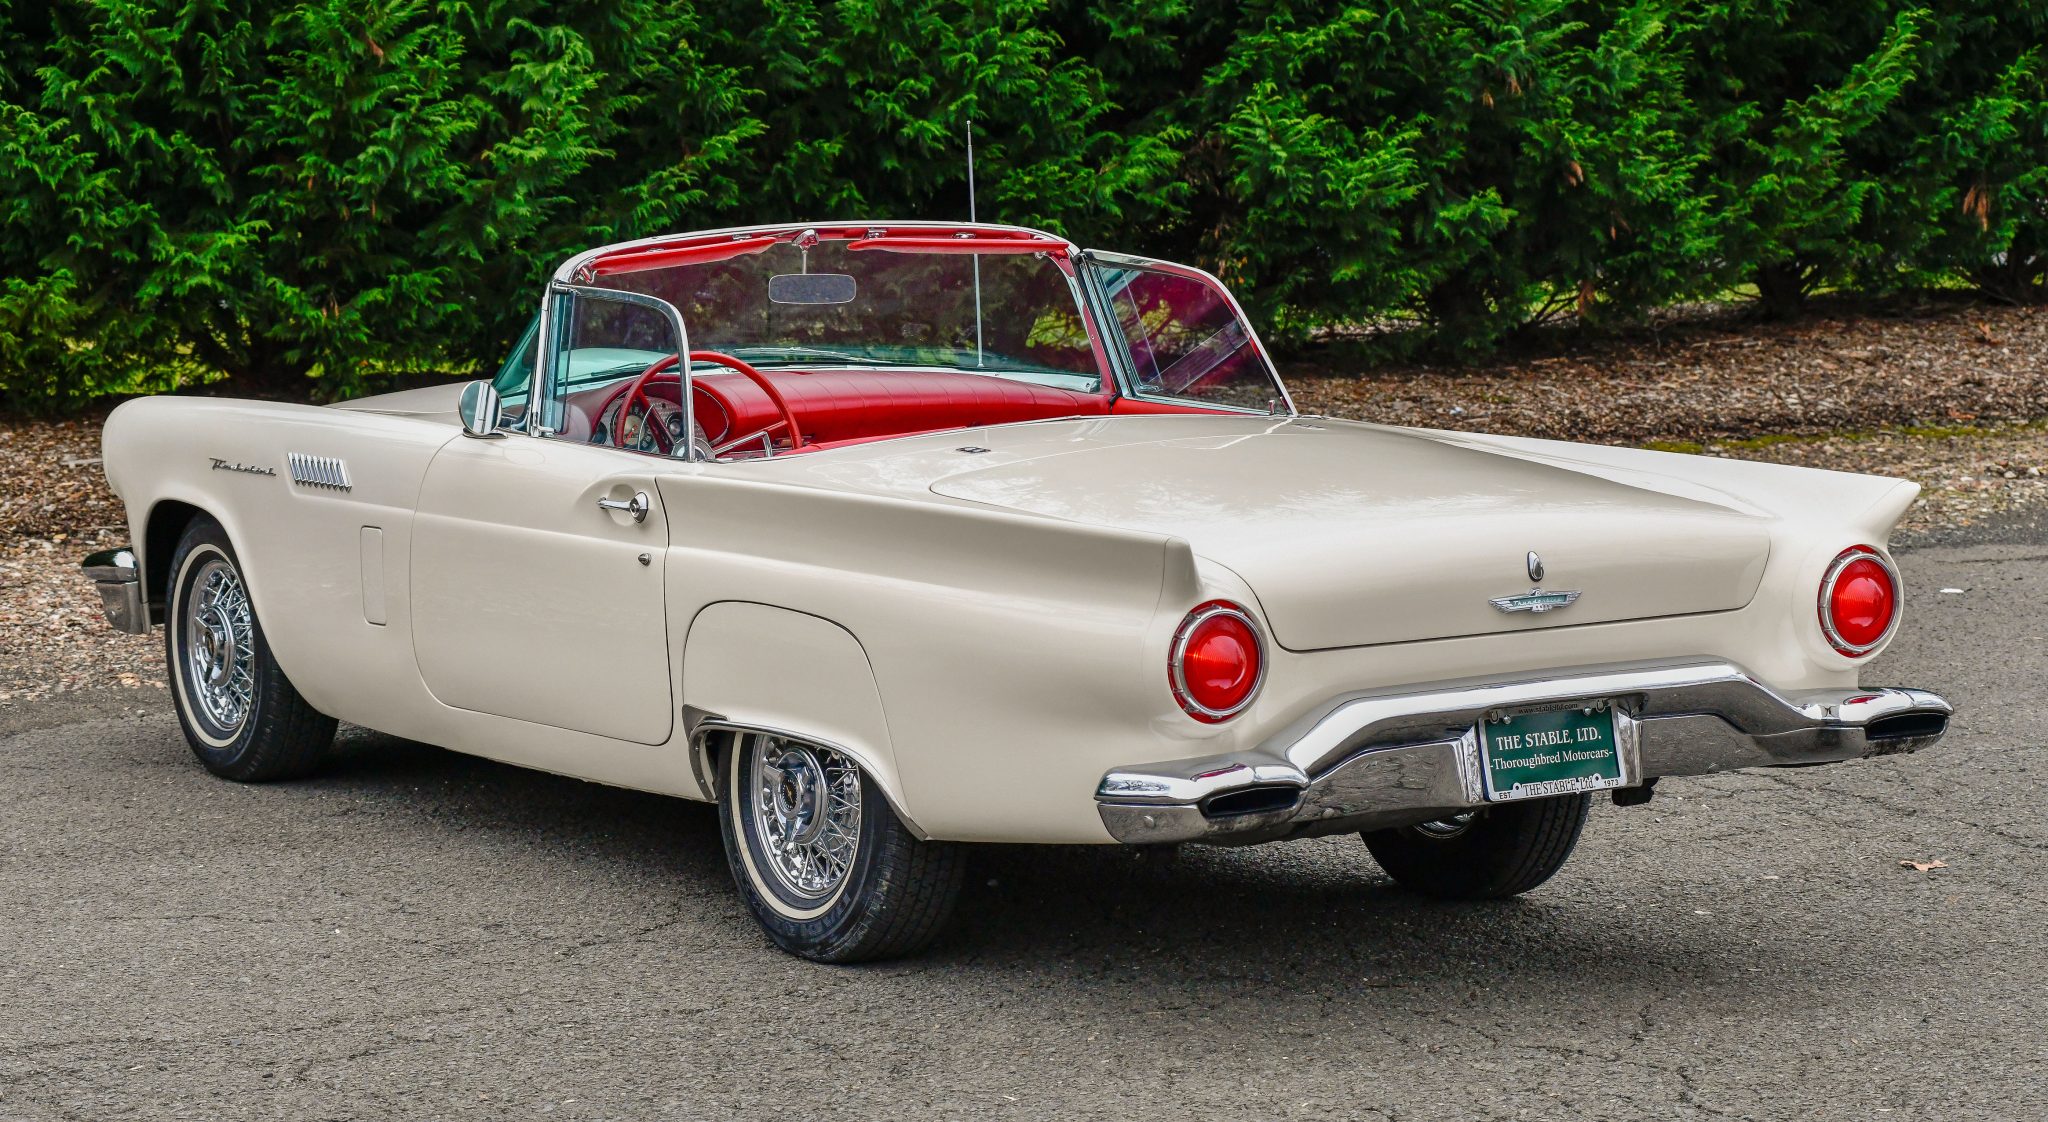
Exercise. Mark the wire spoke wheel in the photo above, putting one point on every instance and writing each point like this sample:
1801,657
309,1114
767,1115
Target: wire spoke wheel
220,647
822,858
240,713
806,814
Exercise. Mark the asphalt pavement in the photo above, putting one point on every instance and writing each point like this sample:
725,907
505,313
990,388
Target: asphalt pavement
417,934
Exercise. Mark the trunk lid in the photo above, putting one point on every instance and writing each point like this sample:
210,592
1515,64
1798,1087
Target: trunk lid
1353,534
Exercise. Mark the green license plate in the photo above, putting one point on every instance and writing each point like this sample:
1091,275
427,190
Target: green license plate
1558,752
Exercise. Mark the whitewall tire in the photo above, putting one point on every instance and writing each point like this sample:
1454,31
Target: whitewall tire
241,715
823,861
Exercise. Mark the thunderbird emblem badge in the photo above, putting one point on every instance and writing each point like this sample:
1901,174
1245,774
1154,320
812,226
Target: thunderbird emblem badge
1535,600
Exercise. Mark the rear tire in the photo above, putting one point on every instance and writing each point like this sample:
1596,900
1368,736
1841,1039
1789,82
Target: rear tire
1493,852
241,715
824,863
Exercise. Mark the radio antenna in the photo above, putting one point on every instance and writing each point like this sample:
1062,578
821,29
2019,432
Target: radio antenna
979,359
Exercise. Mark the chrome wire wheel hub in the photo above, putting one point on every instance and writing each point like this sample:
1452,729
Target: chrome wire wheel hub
220,647
1447,827
806,814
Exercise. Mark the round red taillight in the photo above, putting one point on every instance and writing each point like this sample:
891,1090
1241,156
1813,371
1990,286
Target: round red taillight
1859,601
1216,661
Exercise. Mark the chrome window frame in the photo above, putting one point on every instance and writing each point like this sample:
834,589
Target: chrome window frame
547,357
1126,367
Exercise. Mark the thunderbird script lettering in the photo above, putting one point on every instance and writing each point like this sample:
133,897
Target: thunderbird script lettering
246,469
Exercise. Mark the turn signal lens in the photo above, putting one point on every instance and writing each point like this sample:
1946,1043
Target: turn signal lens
1216,661
1859,601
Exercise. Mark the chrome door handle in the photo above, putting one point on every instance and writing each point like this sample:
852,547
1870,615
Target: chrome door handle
637,506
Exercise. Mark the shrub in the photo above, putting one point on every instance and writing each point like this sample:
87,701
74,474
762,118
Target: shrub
317,197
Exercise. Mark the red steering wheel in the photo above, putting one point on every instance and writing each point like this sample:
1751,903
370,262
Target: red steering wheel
635,391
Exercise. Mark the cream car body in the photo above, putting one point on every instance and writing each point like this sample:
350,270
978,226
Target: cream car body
983,617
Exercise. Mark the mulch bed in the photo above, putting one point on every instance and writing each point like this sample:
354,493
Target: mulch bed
54,509
1721,377
1953,398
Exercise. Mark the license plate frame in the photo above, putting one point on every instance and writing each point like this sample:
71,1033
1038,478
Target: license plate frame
1542,752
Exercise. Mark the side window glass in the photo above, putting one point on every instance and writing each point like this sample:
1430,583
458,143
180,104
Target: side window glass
514,380
597,394
1185,340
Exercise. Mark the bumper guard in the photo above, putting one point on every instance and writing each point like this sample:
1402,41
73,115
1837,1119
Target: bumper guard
1372,760
119,580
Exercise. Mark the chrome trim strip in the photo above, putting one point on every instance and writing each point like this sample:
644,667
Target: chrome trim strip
118,577
1387,758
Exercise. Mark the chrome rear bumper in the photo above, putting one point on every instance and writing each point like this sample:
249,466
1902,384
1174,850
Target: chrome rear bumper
115,573
1371,760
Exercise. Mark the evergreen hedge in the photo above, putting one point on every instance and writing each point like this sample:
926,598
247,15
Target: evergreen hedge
352,190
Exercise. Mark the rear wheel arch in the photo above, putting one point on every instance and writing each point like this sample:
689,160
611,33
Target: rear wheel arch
754,667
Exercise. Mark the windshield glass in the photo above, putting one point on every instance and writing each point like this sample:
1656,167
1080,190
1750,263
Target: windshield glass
1006,315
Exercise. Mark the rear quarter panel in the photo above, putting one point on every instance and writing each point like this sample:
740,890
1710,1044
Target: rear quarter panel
1012,655
1018,658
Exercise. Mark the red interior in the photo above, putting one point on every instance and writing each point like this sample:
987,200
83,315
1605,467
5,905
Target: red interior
841,406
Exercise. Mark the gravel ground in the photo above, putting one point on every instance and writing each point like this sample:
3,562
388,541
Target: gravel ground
1953,399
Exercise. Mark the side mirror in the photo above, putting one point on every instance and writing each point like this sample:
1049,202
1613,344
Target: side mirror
479,410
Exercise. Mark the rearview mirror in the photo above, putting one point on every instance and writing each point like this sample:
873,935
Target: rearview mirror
479,409
810,288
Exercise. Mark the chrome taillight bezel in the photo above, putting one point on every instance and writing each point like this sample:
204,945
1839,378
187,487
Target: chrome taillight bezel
1176,673
1824,605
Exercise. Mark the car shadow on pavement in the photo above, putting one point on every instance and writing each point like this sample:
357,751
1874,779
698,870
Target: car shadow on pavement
1313,916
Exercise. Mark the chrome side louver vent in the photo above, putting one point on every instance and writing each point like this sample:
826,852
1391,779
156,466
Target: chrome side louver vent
319,471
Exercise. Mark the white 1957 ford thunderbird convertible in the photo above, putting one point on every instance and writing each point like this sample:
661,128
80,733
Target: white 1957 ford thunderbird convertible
889,537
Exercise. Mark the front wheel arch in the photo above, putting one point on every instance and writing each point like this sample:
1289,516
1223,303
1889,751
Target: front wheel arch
238,709
161,531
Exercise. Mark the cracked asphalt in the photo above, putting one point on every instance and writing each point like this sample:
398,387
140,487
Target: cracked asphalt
418,934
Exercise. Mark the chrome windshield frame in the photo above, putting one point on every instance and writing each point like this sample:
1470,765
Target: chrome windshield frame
568,272
573,278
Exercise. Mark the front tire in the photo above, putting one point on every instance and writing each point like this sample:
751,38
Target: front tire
1486,854
241,715
824,863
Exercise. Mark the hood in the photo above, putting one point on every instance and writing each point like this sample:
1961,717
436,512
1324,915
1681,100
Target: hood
1354,534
